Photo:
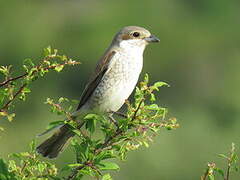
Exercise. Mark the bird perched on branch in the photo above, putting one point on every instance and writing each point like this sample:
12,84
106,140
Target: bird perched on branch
112,82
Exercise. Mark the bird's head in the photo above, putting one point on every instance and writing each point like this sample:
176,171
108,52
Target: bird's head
134,36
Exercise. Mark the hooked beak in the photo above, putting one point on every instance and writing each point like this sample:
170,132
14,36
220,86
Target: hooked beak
152,38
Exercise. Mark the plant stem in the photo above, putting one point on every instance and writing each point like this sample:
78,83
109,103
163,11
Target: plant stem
12,79
14,97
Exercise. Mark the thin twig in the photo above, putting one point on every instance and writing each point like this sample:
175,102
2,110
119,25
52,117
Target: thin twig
107,144
38,69
6,82
204,177
15,95
136,111
23,167
228,172
230,160
113,121
12,79
119,114
74,173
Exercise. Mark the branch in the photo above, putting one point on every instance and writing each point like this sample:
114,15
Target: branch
228,172
137,128
31,73
70,62
75,172
12,79
204,177
136,111
106,145
14,97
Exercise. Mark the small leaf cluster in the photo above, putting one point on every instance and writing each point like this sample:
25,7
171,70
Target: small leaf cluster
107,139
100,140
232,161
18,87
27,166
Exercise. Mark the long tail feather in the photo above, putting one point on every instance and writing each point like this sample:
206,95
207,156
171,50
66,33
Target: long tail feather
54,145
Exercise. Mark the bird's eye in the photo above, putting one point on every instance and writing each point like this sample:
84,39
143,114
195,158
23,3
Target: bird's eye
136,34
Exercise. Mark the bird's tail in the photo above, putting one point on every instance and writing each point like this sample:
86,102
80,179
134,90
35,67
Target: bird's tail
54,145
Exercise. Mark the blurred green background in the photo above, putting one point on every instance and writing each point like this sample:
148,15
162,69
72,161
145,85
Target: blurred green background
199,56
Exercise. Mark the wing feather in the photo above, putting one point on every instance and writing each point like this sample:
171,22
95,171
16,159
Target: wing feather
100,70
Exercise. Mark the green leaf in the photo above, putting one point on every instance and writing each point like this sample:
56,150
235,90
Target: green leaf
91,125
2,96
47,51
153,107
59,68
160,84
152,99
220,171
33,146
66,168
3,167
104,155
75,165
11,116
146,78
4,173
223,156
26,90
107,177
5,70
41,167
145,144
28,62
62,99
106,165
211,177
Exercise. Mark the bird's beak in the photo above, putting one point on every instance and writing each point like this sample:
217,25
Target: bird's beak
152,38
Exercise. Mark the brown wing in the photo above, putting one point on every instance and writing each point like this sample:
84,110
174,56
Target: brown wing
100,70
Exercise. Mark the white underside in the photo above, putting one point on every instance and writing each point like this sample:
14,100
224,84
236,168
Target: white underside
128,60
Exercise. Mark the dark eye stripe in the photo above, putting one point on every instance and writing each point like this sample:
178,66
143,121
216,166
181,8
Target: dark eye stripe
126,37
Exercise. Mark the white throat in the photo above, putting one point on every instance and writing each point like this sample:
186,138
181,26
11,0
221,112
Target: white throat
133,46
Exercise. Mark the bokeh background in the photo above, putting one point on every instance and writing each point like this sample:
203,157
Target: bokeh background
199,56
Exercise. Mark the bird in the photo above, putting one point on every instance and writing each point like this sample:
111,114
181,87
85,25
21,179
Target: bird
112,82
